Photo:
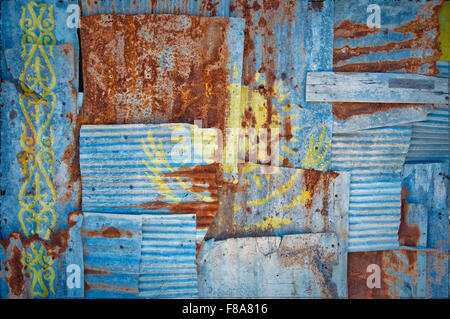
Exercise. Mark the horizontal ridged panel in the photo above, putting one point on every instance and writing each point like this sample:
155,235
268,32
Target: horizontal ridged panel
168,257
430,140
375,158
148,169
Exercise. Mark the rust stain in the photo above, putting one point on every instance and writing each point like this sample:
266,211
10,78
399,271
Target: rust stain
351,30
425,31
155,68
16,280
345,110
317,181
409,235
89,271
357,275
108,232
100,286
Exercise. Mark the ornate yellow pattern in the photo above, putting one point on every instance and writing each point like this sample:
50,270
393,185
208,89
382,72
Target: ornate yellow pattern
37,194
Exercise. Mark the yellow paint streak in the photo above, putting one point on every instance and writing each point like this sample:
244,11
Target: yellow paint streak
257,181
279,191
270,222
299,200
286,149
315,154
444,27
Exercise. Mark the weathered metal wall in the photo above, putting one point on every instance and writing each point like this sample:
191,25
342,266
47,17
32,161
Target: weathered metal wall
420,268
374,158
208,8
40,194
131,169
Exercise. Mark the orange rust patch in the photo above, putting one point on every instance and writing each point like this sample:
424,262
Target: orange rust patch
345,110
317,181
16,280
425,29
408,235
351,30
155,68
89,271
108,232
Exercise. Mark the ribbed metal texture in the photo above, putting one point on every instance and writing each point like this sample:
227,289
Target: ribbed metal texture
138,169
168,257
430,140
220,8
375,158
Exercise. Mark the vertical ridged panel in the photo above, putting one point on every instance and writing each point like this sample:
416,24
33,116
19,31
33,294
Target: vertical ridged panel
374,158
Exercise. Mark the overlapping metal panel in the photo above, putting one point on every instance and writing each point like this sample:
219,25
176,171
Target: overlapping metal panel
282,202
284,40
140,256
112,255
39,188
292,266
419,269
405,40
168,266
374,158
219,8
144,168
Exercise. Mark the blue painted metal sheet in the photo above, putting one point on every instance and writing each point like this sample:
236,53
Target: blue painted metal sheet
282,43
292,266
419,268
112,254
144,168
140,256
219,8
43,268
59,31
427,185
38,98
407,40
168,266
374,158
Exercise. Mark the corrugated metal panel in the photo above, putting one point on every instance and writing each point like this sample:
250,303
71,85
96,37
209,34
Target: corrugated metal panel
193,7
406,41
168,261
286,201
112,255
292,266
185,69
140,256
142,168
420,268
375,158
284,40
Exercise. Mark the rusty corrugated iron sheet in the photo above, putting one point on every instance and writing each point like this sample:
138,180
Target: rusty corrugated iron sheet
292,266
406,41
283,202
182,69
39,221
283,40
213,8
420,268
144,168
374,158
